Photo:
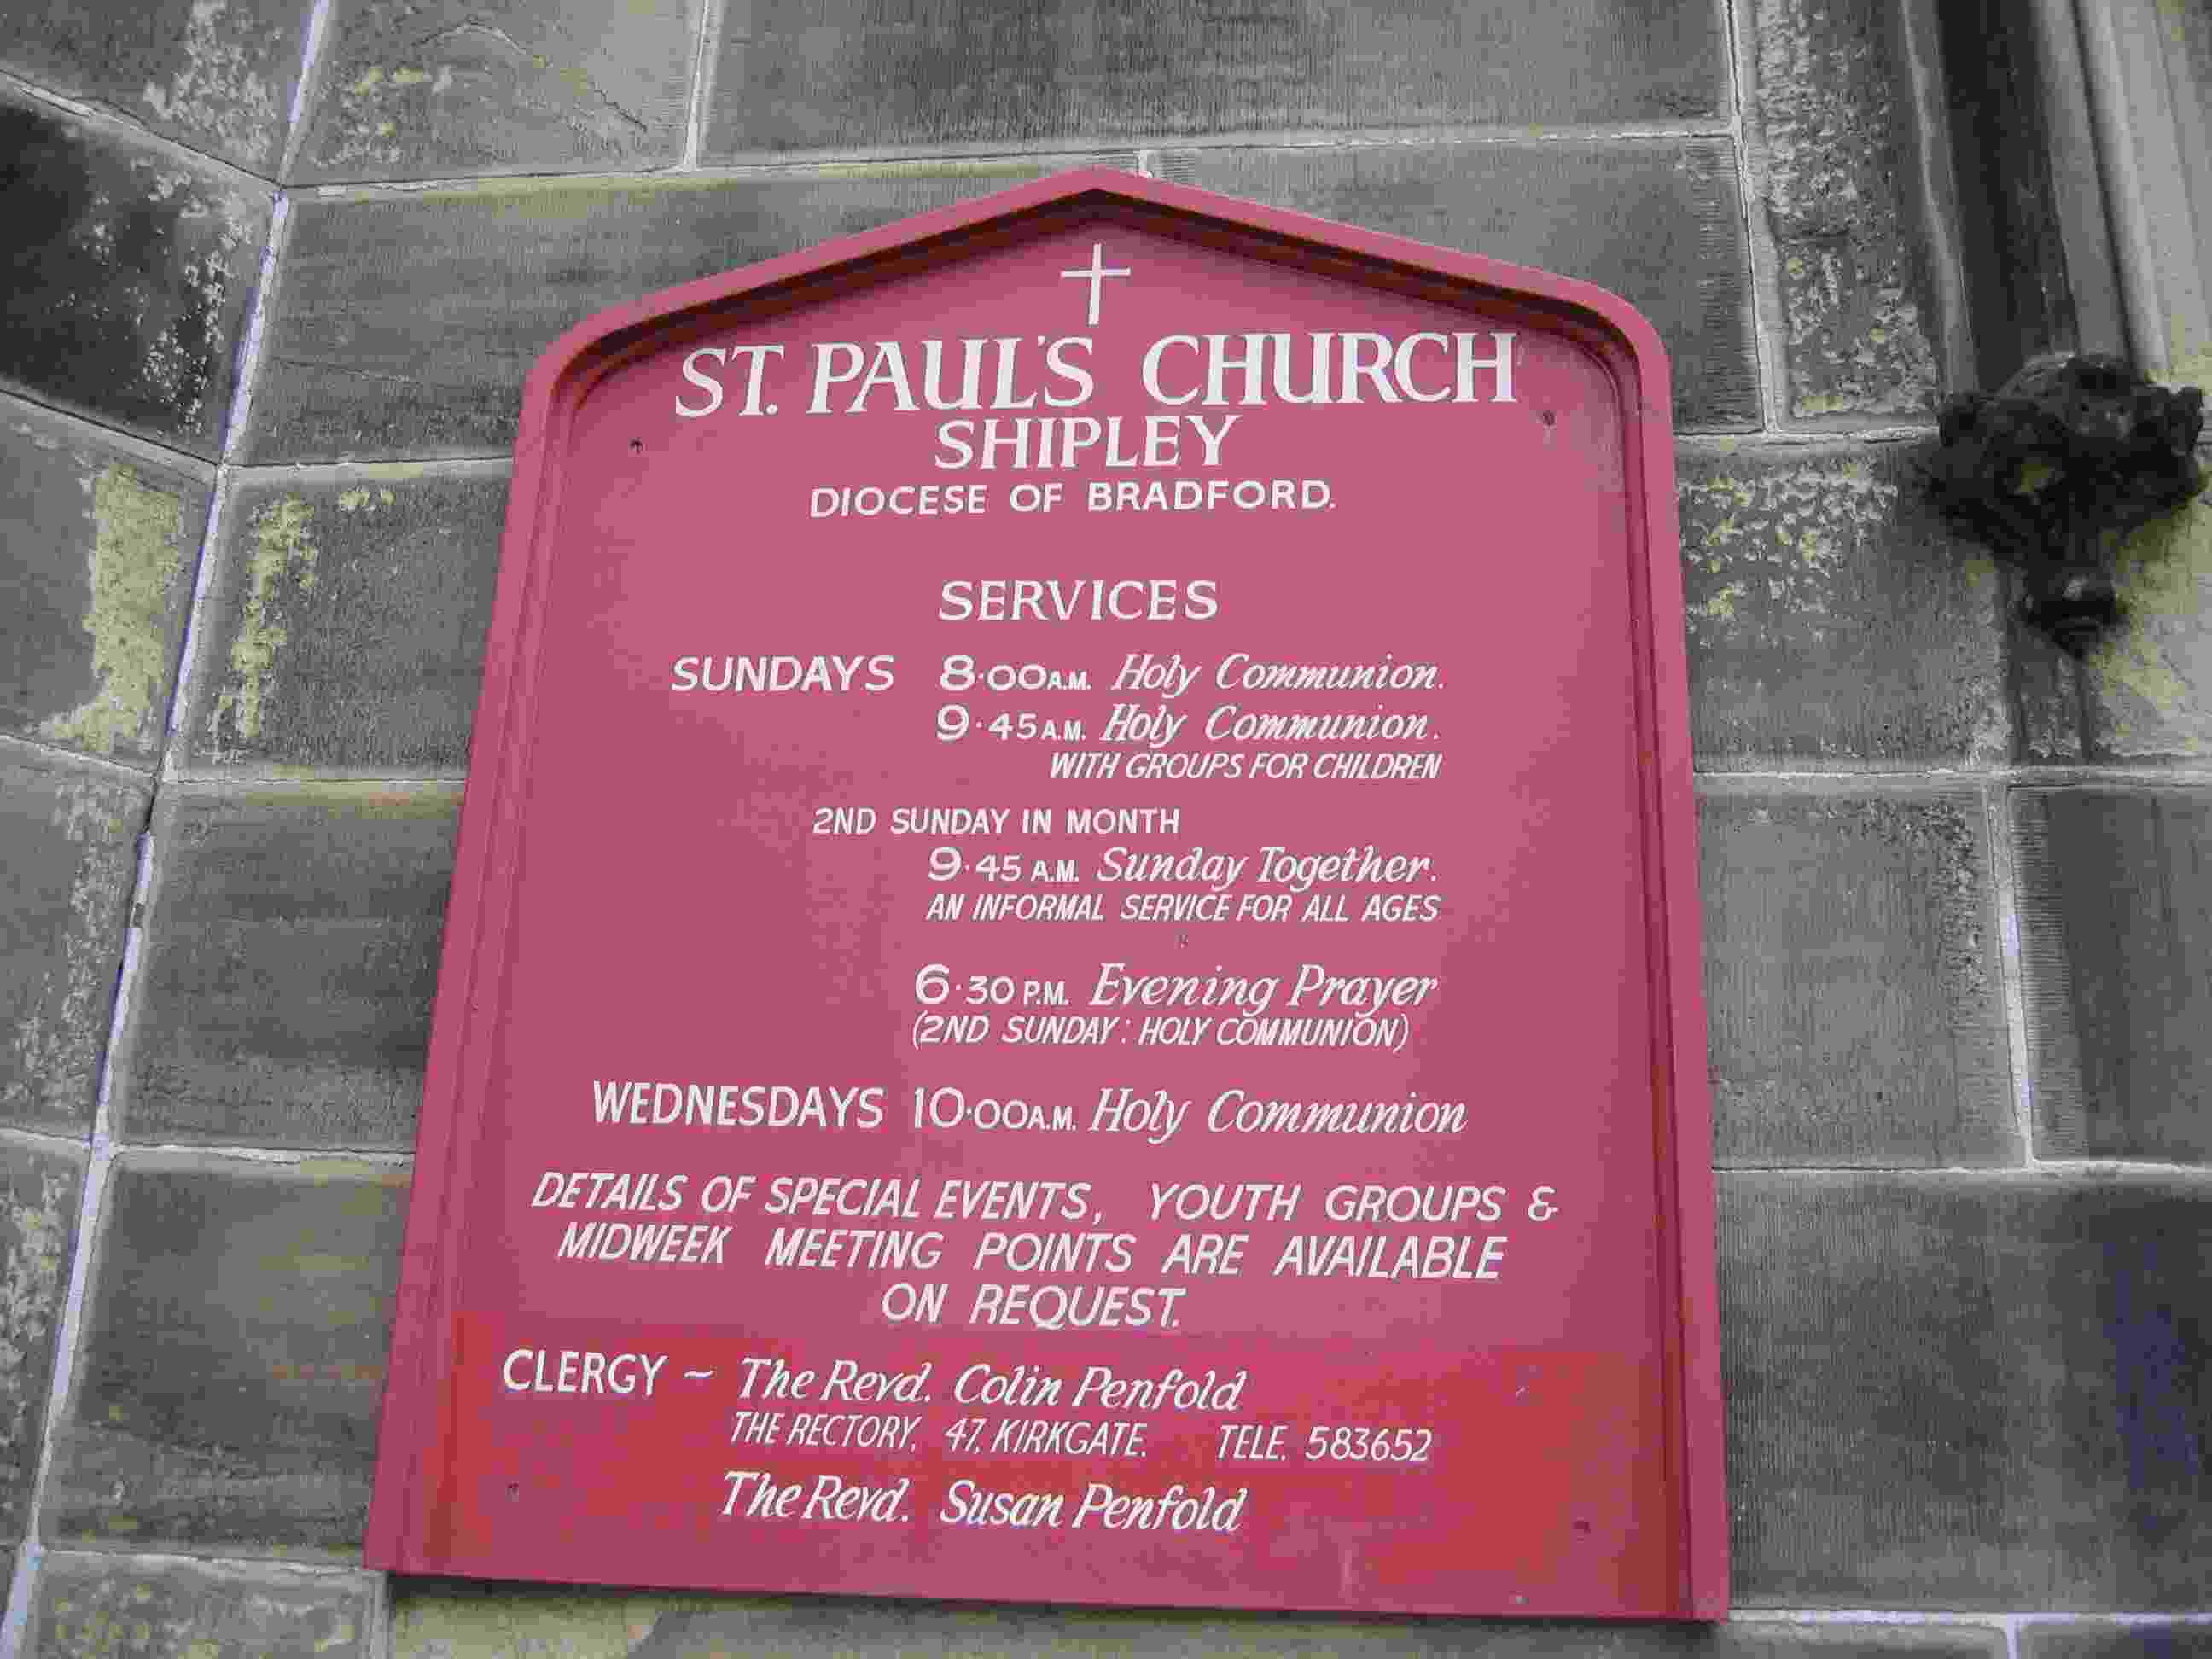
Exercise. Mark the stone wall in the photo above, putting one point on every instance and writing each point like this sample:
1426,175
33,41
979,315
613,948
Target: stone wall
277,269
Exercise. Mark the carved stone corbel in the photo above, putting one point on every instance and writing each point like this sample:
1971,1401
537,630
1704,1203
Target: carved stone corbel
2052,471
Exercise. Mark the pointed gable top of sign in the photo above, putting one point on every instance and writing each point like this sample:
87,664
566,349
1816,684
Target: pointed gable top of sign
1593,317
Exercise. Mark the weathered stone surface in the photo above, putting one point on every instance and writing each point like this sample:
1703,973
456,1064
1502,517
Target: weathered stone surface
127,269
354,364
2116,950
290,955
456,1619
1658,224
2088,1641
217,75
823,74
2046,691
439,89
1966,1391
226,1394
1832,154
68,849
1831,621
110,1607
345,626
1853,979
103,542
40,1192
2148,684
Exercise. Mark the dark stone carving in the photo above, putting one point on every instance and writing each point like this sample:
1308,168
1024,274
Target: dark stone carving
2050,470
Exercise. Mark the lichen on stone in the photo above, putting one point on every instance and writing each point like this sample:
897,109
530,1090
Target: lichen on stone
1811,516
279,550
30,1291
1856,343
137,548
58,1035
194,1613
459,1623
475,95
176,369
2165,584
217,92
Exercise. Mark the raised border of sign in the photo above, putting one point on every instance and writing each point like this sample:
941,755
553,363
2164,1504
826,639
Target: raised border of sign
479,914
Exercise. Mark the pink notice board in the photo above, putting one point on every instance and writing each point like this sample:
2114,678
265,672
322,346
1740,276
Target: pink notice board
1073,971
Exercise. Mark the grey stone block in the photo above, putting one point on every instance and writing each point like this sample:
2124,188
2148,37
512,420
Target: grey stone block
290,955
2046,689
345,630
2116,947
111,1607
233,1357
1853,979
1832,623
102,542
364,357
127,268
217,76
456,1619
1966,1391
68,848
39,1191
1833,151
823,74
2148,687
2132,1641
439,89
1658,224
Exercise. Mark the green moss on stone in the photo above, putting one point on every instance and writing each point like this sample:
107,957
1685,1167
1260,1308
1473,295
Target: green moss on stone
2164,571
360,798
280,548
195,1613
363,1179
137,548
489,1625
1011,168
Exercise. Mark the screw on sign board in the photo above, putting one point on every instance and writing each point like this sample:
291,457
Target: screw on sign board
1040,1001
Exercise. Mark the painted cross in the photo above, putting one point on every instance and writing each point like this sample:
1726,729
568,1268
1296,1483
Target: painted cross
1096,273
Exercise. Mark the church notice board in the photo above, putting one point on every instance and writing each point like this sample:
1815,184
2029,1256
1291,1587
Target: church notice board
1073,970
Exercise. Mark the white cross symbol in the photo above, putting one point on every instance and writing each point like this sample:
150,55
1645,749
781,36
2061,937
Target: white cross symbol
1095,273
